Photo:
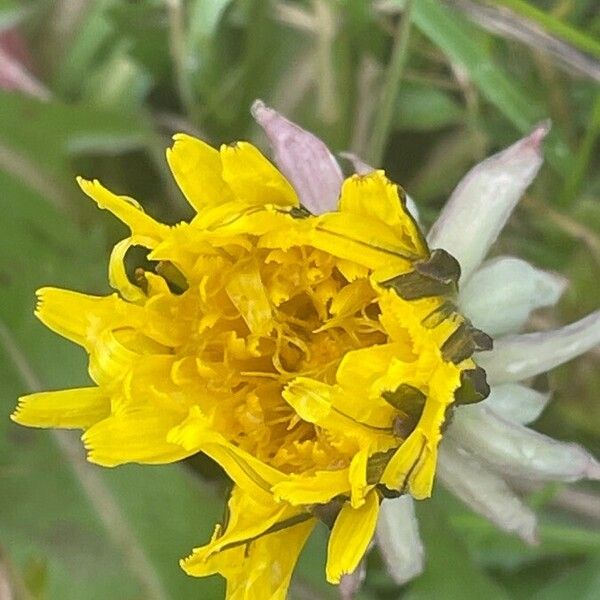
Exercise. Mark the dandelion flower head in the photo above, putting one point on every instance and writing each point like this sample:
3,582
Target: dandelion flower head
315,357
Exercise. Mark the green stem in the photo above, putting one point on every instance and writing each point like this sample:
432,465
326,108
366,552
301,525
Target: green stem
178,47
393,75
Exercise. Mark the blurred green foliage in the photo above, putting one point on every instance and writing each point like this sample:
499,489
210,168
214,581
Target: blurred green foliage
117,79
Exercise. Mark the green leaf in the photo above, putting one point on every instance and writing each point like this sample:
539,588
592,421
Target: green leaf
203,22
450,572
120,82
423,108
50,133
77,54
581,583
557,538
10,13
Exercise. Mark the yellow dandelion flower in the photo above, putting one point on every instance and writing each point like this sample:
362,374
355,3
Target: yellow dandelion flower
316,357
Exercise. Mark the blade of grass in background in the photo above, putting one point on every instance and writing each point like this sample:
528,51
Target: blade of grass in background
545,19
389,92
458,39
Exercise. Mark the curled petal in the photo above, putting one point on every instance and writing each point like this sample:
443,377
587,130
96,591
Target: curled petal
117,272
256,550
303,158
485,492
483,201
517,357
124,208
399,540
520,452
515,402
499,297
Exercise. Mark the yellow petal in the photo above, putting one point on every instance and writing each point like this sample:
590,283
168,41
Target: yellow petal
139,437
247,292
412,466
361,368
77,408
248,519
73,315
110,358
125,209
253,178
364,240
262,567
319,403
351,271
117,275
196,435
319,488
351,534
358,478
197,169
375,196
311,399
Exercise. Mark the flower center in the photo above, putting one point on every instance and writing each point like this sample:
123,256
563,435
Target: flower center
282,333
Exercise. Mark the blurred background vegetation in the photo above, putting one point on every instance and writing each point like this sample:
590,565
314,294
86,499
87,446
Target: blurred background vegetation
425,88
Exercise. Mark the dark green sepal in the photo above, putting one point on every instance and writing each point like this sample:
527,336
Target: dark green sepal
440,266
385,491
439,315
406,398
473,387
327,513
175,279
414,286
483,342
436,276
376,465
459,345
541,383
409,401
463,341
300,212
